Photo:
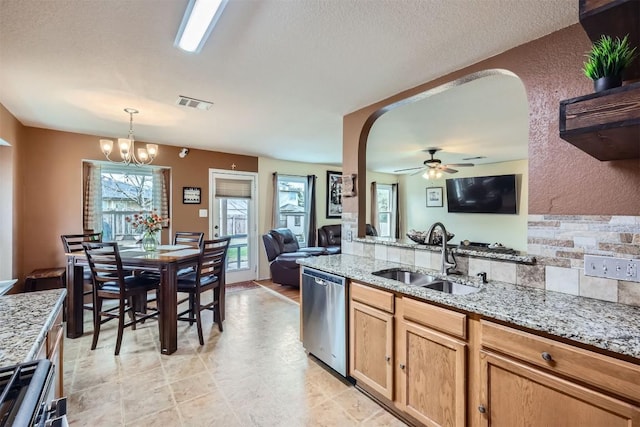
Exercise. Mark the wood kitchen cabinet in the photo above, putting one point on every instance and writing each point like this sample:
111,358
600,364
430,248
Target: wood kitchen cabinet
371,338
531,380
410,353
432,367
53,349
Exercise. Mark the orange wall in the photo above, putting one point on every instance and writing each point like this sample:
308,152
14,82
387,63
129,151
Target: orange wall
562,179
10,131
52,185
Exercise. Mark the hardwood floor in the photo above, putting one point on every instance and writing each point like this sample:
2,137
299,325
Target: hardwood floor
287,291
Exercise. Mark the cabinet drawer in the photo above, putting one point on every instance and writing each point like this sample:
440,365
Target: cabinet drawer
450,322
372,297
607,373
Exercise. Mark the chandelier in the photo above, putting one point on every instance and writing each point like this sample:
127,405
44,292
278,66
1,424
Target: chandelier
126,146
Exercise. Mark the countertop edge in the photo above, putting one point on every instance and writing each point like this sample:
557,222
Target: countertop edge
602,333
42,335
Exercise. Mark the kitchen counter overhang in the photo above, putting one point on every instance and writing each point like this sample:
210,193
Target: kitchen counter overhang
25,320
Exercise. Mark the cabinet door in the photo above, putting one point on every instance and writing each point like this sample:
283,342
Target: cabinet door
371,347
432,373
515,394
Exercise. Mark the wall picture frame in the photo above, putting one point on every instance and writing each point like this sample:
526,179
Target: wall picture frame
191,195
434,197
334,194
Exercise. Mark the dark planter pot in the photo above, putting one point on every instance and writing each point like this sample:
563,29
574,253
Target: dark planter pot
608,82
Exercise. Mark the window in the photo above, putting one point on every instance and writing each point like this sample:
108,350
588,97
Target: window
293,212
386,210
123,191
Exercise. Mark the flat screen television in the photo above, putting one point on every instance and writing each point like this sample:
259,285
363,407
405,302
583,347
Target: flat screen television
483,194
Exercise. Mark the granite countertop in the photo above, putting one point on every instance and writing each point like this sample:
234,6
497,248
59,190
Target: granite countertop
606,325
25,320
513,256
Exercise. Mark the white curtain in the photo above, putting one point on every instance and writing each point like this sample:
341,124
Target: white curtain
92,200
160,180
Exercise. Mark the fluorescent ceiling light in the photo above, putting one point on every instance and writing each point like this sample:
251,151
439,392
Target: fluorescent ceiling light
198,22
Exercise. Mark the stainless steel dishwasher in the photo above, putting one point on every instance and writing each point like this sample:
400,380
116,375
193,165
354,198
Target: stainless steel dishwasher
324,317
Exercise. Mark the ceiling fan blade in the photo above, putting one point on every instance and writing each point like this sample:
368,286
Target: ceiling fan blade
459,164
448,170
408,169
418,171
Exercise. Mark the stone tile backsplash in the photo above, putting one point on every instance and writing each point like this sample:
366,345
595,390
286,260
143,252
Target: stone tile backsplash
558,242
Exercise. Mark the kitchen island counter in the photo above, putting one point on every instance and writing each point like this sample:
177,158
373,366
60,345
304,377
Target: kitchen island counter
25,320
604,325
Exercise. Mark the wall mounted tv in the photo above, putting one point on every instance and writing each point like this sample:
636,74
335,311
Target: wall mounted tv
483,194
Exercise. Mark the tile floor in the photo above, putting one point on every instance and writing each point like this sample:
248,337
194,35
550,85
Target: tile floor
255,373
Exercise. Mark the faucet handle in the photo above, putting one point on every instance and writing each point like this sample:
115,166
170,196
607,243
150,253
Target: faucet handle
482,275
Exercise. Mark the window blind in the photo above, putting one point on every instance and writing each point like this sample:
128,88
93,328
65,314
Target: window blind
237,188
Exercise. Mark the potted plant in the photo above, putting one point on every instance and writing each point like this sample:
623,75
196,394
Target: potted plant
606,61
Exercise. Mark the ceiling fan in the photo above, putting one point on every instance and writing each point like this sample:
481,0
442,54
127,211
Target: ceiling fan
433,167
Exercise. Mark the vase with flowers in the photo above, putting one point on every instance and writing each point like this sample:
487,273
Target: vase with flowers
148,224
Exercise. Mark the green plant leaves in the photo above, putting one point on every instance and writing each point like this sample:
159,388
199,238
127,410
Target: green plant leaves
608,57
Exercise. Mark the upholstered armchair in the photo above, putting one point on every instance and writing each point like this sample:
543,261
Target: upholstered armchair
282,251
330,237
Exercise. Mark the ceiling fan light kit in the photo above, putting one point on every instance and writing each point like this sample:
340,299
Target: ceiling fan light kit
433,167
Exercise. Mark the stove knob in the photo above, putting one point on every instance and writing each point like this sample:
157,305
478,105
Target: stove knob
58,407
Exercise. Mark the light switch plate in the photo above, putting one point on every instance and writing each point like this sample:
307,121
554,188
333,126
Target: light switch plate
612,268
202,213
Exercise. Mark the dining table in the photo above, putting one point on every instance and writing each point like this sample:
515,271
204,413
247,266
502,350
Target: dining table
166,259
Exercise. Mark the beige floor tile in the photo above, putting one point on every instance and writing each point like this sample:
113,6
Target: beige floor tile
168,418
194,386
382,418
255,373
207,410
356,404
139,403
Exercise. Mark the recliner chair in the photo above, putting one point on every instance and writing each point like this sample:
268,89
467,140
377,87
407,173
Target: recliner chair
282,251
330,236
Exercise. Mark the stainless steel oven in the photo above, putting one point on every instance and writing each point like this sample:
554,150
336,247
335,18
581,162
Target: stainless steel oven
27,396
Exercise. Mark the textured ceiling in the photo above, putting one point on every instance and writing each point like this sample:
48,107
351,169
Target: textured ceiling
281,73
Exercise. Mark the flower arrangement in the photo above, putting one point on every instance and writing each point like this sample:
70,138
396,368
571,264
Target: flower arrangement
146,223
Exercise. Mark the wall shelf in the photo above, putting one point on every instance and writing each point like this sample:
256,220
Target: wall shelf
615,18
606,124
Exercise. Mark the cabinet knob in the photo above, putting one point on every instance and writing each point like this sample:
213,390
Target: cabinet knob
546,356
402,366
387,358
482,409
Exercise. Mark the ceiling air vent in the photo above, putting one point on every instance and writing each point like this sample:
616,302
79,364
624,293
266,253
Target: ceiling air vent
194,103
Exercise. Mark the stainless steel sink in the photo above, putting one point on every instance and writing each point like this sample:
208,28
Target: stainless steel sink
451,287
426,281
406,276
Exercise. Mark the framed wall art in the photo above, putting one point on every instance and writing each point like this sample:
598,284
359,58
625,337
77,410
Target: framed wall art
191,195
334,194
434,197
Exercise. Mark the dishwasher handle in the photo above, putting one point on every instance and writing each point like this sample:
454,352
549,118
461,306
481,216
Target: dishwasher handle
319,282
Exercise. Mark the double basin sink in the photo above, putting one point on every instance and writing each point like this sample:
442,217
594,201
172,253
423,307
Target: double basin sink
425,281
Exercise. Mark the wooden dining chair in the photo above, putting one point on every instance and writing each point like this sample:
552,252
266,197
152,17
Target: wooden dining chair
73,243
191,238
209,275
110,282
